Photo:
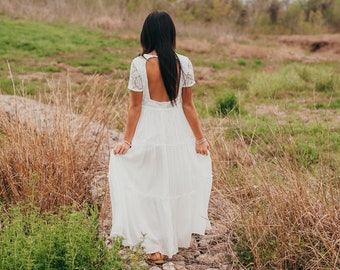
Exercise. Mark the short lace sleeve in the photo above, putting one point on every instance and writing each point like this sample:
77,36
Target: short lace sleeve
188,70
135,80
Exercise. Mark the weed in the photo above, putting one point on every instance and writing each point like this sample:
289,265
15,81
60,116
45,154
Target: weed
258,62
226,104
242,62
215,65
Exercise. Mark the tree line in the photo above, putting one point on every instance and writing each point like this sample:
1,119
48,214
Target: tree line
262,16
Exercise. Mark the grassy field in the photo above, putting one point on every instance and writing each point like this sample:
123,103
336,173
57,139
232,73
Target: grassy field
270,111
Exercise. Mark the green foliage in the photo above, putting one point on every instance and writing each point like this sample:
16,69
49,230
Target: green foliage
67,239
243,247
242,62
215,65
226,104
293,19
332,15
258,62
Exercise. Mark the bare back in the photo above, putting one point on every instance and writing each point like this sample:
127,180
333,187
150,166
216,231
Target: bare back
155,82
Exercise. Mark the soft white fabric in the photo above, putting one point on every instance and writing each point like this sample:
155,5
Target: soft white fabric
160,188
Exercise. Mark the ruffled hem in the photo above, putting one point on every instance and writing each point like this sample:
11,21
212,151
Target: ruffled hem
159,224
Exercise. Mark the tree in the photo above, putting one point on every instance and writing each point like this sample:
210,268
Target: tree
273,11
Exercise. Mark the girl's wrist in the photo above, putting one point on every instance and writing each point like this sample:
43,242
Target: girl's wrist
127,142
201,141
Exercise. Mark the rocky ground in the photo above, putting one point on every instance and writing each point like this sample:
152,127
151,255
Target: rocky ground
207,252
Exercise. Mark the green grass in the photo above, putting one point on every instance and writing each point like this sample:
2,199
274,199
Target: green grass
335,104
296,80
313,142
41,47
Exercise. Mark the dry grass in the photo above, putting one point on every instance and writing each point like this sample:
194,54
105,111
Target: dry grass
96,14
50,154
273,212
287,217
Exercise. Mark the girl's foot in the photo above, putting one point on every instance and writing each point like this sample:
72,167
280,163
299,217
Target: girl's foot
156,258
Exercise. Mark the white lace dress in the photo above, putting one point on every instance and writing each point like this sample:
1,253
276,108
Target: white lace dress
160,188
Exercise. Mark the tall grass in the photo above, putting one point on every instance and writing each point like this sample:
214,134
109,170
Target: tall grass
294,80
288,216
49,155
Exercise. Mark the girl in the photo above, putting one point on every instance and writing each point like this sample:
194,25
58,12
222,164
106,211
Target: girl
160,174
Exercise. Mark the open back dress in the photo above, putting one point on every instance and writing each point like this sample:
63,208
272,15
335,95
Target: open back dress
160,188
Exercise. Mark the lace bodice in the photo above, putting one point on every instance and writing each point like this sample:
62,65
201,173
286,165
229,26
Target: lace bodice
138,78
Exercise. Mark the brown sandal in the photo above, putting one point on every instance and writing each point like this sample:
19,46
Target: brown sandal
156,258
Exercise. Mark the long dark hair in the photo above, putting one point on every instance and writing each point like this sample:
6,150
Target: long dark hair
159,34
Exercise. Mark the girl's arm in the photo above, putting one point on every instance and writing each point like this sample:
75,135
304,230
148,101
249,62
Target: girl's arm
133,116
202,146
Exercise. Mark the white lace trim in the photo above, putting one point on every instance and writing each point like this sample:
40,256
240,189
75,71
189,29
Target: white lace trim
135,81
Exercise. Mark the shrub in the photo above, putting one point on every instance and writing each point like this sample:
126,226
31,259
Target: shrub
66,239
226,104
242,62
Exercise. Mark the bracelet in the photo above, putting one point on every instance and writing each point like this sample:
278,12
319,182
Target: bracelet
201,141
128,143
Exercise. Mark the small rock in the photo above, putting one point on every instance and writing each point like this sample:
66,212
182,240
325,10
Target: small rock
178,257
196,267
190,255
211,260
180,266
155,268
193,243
203,244
143,264
169,266
227,267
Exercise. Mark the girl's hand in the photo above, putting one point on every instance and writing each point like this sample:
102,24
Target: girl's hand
121,148
203,148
